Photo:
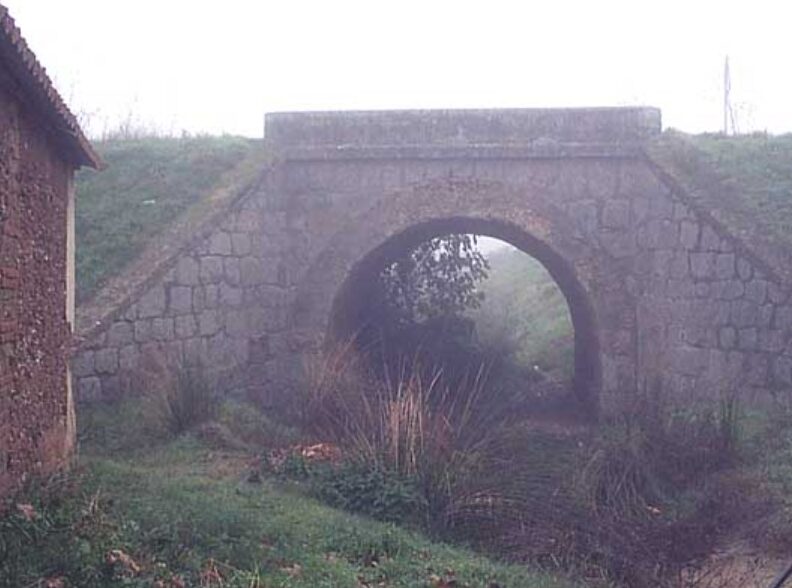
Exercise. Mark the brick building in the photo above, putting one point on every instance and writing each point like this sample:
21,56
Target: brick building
41,145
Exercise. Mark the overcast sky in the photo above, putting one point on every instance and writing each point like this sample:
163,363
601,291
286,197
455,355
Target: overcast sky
217,67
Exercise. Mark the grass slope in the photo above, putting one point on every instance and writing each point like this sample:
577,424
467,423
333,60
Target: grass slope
186,513
744,182
524,310
148,183
760,168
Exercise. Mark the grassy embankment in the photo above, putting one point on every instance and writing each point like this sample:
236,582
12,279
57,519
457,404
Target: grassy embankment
186,513
148,183
525,313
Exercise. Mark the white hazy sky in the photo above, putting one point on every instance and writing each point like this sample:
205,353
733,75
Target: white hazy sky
219,66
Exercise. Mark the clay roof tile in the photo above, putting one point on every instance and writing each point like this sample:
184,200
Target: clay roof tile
39,92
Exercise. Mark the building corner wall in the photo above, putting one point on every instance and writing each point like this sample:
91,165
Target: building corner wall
71,415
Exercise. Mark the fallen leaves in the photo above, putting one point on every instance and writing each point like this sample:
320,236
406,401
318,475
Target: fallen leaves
293,570
316,453
27,511
123,562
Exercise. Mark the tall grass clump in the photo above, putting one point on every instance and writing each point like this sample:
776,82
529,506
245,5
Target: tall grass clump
413,424
177,395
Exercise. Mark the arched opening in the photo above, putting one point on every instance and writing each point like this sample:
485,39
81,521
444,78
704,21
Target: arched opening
350,305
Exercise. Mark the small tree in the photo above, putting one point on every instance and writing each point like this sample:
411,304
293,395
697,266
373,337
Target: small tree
436,279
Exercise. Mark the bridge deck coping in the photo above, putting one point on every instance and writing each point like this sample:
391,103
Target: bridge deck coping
461,128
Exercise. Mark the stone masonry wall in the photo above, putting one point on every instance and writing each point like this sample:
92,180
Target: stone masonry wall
676,301
715,319
222,303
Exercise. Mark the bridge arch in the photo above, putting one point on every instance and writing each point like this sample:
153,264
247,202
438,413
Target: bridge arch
330,296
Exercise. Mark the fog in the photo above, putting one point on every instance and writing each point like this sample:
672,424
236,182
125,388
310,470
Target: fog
201,67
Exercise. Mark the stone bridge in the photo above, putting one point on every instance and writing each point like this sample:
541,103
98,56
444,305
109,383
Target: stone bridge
661,295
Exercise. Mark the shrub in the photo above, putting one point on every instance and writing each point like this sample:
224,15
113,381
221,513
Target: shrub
177,395
369,490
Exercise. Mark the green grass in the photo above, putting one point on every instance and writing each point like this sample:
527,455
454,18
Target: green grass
524,310
760,167
147,184
182,508
746,179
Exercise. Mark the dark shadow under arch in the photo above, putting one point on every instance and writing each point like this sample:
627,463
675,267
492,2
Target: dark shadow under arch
348,303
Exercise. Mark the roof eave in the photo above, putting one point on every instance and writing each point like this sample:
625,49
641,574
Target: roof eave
35,83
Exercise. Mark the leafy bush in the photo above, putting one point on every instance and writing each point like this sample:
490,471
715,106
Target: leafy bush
361,488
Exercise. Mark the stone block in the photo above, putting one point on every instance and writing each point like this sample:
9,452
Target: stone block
782,371
766,312
640,208
120,333
689,234
252,271
616,214
240,244
728,290
187,272
679,266
232,271
703,289
682,211
744,313
775,294
680,289
211,269
195,350
724,266
259,350
710,241
758,369
220,244
209,322
143,332
162,329
186,326
756,291
238,324
744,269
748,338
230,296
205,297
702,265
247,221
661,260
89,389
106,361
661,207
771,340
690,361
82,364
618,244
180,300
783,318
727,338
128,357
660,234
152,303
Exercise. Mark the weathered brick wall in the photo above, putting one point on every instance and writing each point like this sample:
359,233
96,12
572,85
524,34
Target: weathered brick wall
34,334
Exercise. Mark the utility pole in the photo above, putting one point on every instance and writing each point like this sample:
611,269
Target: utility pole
728,112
